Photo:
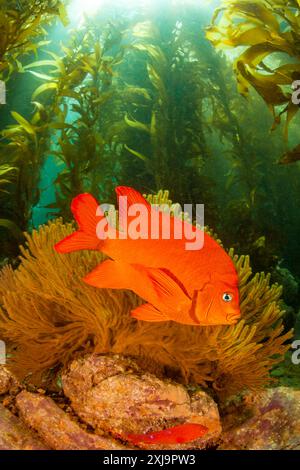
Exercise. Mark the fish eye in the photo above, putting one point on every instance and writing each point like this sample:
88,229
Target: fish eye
227,297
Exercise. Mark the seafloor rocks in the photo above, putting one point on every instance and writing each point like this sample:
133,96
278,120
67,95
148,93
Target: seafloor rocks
112,397
269,420
111,394
56,428
15,435
7,380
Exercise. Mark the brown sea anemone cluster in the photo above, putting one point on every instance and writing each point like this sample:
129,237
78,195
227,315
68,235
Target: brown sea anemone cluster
48,315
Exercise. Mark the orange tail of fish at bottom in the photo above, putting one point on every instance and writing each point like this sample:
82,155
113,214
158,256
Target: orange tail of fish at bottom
176,435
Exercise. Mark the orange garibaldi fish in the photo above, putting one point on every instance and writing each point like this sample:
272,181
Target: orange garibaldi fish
176,435
186,286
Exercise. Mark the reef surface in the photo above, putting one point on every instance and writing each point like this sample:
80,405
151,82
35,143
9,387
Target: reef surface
105,398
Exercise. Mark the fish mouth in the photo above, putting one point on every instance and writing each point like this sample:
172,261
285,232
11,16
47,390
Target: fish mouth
232,318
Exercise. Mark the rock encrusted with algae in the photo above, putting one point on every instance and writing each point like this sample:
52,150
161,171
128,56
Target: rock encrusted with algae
56,428
268,420
112,394
7,380
15,435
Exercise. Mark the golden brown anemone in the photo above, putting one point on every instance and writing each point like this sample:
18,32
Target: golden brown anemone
48,315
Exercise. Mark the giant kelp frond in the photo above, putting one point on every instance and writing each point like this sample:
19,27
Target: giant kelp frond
266,30
169,128
21,24
82,106
48,314
22,33
72,112
24,144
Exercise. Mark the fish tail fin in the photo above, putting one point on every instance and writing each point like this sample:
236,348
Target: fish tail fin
87,214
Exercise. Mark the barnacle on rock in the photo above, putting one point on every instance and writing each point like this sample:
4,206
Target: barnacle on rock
48,315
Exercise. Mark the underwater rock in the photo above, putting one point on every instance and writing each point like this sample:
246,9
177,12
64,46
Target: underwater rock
6,380
112,394
14,435
268,420
56,428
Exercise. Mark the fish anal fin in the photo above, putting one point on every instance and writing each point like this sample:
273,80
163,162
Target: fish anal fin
147,312
112,274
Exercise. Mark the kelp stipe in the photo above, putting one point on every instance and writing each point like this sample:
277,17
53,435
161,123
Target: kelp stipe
83,108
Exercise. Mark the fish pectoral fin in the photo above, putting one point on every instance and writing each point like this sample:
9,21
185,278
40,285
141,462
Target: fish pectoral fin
170,292
148,312
170,297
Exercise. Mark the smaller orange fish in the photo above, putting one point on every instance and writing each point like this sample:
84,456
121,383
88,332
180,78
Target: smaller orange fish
176,435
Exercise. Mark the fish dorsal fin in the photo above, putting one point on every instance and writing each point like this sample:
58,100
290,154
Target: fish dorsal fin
180,434
133,197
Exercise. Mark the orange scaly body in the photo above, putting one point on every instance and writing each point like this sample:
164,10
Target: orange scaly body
176,435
